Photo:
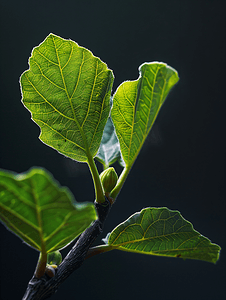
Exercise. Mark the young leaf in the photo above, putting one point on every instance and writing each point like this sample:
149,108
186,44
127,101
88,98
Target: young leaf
109,151
67,90
160,231
136,105
40,212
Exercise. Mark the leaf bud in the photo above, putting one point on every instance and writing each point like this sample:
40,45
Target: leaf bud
109,179
54,258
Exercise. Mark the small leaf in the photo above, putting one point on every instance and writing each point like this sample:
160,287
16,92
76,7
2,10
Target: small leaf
67,90
40,212
136,105
160,231
109,151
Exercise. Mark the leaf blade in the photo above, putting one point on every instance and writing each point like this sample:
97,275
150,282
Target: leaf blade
40,212
136,105
67,90
109,151
162,232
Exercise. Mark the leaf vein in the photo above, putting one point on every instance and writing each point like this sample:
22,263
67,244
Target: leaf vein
46,101
64,137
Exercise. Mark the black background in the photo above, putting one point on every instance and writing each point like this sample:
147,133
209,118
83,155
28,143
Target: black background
181,165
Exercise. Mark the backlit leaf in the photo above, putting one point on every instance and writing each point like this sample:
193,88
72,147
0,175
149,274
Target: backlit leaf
136,105
109,150
67,90
160,231
39,211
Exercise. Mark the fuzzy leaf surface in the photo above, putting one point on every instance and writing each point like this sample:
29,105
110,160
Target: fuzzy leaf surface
40,212
163,232
136,105
67,90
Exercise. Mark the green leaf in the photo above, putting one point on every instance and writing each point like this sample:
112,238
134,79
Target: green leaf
67,90
164,232
109,151
136,105
40,212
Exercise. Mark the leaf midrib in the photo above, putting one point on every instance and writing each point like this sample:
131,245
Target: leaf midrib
159,237
160,252
87,150
38,214
135,111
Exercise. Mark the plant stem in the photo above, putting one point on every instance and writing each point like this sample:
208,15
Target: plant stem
99,192
41,265
120,182
98,250
44,287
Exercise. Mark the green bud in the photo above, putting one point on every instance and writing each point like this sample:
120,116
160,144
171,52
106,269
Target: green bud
109,179
54,258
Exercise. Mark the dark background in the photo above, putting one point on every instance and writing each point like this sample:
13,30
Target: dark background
181,165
